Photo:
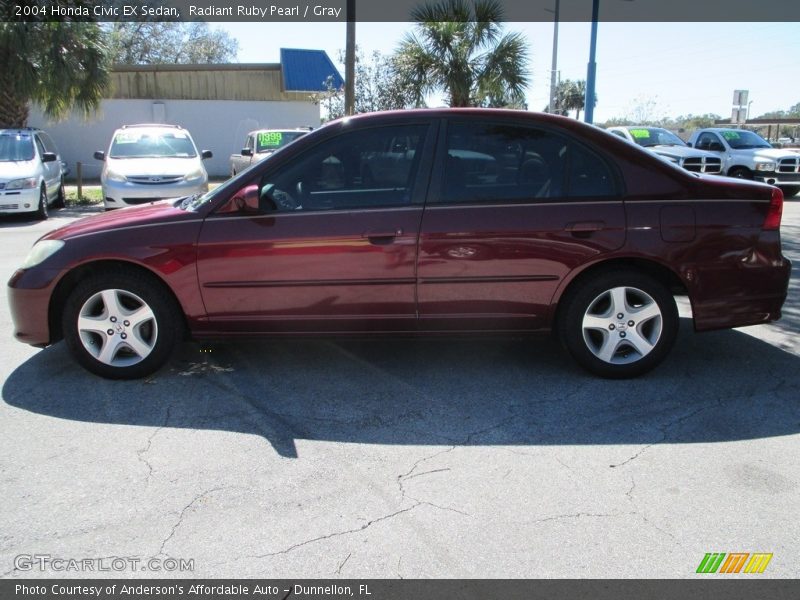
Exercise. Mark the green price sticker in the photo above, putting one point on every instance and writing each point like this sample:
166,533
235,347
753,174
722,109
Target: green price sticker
640,133
270,139
730,135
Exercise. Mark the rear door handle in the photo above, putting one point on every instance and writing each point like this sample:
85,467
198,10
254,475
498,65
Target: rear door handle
585,227
382,237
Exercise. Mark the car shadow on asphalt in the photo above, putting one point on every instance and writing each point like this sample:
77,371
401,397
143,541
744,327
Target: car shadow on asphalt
714,387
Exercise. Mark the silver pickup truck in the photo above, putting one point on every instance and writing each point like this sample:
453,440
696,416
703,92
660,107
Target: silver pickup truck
260,143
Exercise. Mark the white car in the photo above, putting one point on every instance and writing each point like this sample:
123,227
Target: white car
31,175
146,163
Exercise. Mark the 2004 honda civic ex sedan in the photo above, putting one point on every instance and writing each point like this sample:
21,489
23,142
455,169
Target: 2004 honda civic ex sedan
418,221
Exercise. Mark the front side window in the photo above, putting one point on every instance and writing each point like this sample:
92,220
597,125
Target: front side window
489,162
359,169
705,141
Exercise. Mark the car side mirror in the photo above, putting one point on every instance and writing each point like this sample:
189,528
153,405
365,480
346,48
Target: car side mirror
206,154
244,201
689,144
99,155
247,152
49,157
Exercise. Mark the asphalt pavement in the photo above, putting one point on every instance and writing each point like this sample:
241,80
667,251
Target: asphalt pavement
458,458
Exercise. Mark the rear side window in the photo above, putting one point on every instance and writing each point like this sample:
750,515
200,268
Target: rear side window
488,162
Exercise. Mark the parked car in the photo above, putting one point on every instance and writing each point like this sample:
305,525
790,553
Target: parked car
31,172
747,155
506,221
145,163
259,144
666,144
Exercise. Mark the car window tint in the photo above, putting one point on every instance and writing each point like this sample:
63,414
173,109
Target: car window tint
705,140
250,142
47,141
360,169
39,145
506,163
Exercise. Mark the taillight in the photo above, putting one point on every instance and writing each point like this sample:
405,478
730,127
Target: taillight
773,220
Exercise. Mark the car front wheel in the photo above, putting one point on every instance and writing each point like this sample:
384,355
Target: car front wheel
619,324
41,210
121,326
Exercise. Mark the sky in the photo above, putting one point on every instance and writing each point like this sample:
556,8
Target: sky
669,69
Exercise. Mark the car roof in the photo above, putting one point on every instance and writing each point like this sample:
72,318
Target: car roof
21,130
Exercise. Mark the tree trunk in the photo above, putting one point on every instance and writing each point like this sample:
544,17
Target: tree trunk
13,109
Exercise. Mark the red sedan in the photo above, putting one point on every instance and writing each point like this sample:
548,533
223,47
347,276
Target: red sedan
418,221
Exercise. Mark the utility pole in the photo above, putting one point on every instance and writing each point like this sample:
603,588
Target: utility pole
350,60
552,104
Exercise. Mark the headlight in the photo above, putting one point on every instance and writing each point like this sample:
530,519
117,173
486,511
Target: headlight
196,174
114,176
22,184
765,166
40,252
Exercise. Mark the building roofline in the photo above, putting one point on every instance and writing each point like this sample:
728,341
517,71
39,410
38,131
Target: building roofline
122,68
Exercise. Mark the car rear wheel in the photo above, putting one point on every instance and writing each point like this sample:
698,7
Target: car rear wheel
41,210
619,324
61,198
121,326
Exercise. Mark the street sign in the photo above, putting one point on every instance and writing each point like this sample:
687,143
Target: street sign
740,97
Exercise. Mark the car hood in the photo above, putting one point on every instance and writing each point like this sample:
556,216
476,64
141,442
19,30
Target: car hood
771,153
153,167
151,214
16,169
680,151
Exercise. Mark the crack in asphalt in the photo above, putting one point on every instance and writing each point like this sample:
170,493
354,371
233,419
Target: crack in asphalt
664,429
183,512
582,515
339,570
338,533
140,454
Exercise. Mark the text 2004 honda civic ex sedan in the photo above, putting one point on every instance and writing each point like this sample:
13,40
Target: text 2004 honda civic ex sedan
418,221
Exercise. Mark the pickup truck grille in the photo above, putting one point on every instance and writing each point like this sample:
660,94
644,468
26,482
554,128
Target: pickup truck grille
140,200
155,179
703,164
789,165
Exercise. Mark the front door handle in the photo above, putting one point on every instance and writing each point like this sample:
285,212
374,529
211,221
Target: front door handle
585,226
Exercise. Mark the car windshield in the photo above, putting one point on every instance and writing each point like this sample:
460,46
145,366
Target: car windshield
272,140
152,143
16,146
654,136
739,139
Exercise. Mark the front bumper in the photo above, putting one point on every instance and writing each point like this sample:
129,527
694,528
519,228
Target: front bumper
29,293
777,178
119,194
19,201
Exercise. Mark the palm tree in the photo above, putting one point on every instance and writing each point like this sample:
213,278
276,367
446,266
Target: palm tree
571,95
459,48
58,65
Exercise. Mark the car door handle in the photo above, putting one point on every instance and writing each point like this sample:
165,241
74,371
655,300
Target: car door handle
378,237
585,227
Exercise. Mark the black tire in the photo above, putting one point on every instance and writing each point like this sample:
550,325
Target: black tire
128,291
740,173
588,320
41,210
60,201
790,190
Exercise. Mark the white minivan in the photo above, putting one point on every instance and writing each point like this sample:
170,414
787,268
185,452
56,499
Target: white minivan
31,172
150,162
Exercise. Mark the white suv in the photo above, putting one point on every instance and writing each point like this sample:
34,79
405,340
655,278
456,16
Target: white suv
31,173
145,163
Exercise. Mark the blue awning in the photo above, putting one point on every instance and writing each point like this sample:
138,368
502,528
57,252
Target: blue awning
307,70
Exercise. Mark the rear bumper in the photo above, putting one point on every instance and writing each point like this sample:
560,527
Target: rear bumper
771,285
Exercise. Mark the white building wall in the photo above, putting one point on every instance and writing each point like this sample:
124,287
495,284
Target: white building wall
216,125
